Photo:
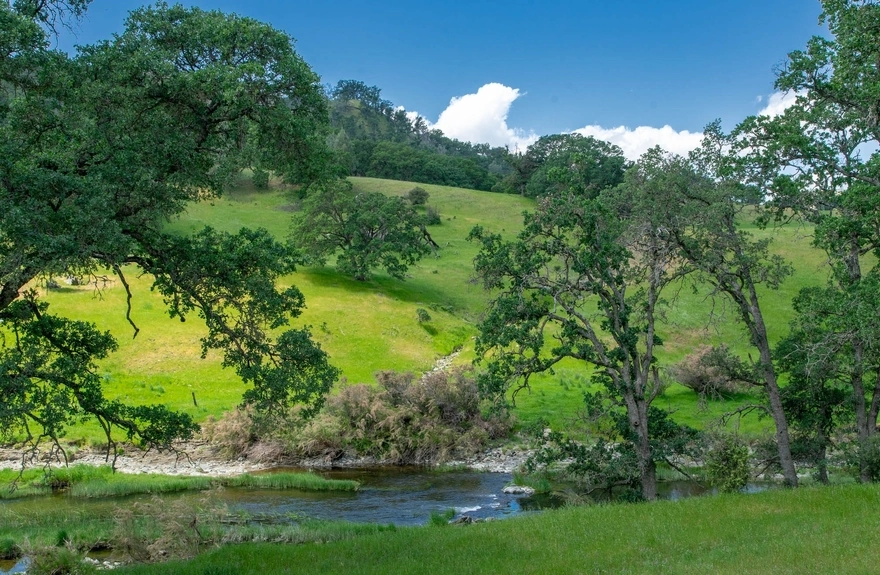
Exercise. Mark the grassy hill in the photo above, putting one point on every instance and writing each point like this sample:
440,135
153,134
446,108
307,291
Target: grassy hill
371,326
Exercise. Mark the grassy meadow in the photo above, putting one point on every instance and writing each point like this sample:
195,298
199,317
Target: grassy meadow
371,326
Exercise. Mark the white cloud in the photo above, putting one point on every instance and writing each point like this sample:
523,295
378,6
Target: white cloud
481,118
637,141
777,103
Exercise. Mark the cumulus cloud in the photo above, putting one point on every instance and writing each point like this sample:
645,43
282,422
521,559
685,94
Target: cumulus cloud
777,103
481,118
636,141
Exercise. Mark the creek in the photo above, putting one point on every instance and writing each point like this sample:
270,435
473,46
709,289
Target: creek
398,495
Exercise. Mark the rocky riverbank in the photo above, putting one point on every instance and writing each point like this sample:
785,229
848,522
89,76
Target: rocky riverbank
201,458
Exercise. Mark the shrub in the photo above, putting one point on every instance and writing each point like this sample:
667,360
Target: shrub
158,530
441,518
727,464
9,550
57,561
260,179
869,454
417,196
709,370
404,419
234,433
432,216
422,315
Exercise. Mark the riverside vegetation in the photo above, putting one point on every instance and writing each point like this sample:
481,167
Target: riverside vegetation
764,242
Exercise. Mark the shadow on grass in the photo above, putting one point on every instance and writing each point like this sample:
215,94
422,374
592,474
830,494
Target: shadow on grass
408,291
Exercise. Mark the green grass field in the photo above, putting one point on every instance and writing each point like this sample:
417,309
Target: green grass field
810,530
371,326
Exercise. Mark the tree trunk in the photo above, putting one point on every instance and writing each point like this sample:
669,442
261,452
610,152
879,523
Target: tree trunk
783,442
638,417
823,462
863,429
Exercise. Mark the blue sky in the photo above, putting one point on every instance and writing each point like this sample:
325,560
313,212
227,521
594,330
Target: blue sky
619,70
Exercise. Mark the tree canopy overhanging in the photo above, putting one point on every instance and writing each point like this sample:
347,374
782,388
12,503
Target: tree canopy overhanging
97,151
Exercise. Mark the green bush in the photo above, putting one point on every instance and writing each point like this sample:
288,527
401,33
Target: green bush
869,454
418,196
9,550
260,179
441,518
432,216
727,464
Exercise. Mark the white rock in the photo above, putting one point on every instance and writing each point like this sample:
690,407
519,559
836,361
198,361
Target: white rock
518,490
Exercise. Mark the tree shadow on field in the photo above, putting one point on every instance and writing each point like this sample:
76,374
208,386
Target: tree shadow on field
413,290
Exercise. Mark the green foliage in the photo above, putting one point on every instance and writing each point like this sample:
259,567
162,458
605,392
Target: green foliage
91,177
50,377
565,162
422,315
869,457
371,136
727,464
818,162
610,459
432,216
368,230
286,480
8,549
417,196
260,179
58,560
84,481
577,250
401,161
441,518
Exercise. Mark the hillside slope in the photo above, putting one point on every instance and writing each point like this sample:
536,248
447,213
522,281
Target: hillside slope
371,326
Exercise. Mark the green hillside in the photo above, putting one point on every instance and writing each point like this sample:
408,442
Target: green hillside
371,326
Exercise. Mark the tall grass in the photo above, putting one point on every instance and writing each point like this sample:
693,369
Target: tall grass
285,480
89,482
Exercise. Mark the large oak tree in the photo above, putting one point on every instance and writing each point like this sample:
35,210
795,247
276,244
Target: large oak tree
97,151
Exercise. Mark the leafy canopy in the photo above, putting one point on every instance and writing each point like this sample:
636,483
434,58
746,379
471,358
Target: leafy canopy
97,151
366,230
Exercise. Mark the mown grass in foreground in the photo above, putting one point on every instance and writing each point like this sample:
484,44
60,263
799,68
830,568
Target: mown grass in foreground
87,481
809,530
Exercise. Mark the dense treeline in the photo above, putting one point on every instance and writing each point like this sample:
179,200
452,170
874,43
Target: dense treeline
371,137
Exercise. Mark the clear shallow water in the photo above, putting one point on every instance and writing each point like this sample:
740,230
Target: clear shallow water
403,496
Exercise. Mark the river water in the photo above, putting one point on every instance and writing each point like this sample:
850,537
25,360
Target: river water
402,496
